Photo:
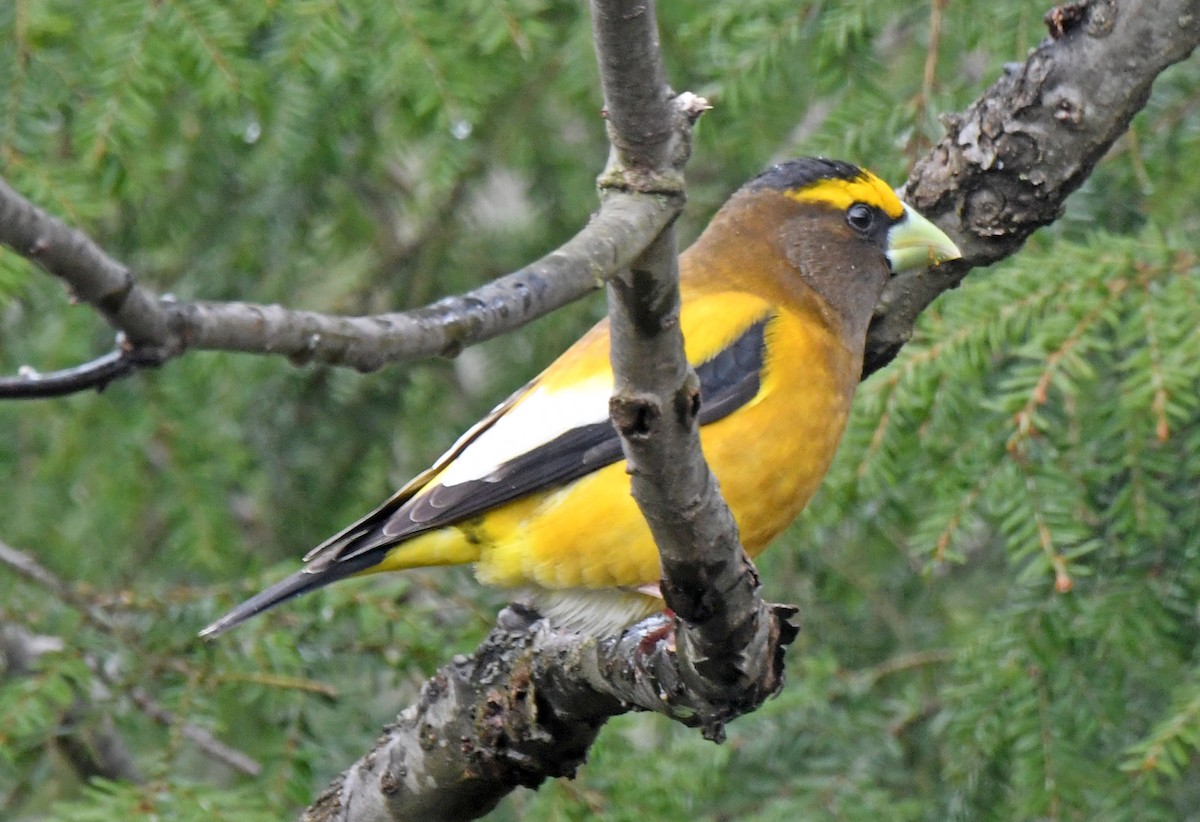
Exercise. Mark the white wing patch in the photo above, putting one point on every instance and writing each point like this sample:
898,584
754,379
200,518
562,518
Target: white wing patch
539,418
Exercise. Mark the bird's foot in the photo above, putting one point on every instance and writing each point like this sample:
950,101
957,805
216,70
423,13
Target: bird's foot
666,631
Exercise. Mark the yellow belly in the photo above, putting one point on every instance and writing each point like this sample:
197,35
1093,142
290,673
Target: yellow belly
768,456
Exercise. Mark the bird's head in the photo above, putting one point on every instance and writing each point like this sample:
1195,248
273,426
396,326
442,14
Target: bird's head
843,229
831,190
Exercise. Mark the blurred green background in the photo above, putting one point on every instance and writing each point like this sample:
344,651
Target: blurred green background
1041,433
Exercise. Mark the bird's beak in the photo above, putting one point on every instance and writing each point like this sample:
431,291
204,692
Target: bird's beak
914,242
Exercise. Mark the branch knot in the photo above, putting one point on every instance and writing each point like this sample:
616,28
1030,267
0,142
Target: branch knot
634,415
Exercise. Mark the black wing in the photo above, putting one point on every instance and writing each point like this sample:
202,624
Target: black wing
727,382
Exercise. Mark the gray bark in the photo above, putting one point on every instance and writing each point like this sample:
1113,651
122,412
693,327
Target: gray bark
1008,163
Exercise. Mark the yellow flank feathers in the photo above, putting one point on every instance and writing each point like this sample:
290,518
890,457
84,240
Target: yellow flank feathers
446,546
776,296
841,194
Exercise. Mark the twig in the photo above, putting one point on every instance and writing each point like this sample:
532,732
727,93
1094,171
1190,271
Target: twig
33,385
98,750
201,738
903,662
35,572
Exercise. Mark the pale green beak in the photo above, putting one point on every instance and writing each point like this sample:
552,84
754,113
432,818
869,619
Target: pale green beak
914,242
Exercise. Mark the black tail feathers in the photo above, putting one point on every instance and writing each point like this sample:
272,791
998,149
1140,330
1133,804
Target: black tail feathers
301,582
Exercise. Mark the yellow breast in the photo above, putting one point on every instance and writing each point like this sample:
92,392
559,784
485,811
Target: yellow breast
769,456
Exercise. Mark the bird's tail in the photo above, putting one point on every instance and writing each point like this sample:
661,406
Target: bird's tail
348,554
305,580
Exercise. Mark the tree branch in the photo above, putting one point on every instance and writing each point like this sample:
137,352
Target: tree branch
97,374
33,571
90,274
729,649
526,706
728,643
202,738
1008,163
160,329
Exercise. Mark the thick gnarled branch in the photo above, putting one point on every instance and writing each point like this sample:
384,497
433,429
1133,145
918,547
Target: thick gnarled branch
526,706
1008,163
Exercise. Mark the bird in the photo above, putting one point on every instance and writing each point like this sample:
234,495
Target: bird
776,297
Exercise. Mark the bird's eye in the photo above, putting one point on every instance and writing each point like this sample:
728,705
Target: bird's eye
860,217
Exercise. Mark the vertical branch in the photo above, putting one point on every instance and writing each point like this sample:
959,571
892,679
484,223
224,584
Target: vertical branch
727,632
625,33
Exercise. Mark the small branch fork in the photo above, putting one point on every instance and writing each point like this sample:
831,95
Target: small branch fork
156,330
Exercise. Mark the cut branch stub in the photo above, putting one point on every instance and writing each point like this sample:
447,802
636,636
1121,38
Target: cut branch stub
634,416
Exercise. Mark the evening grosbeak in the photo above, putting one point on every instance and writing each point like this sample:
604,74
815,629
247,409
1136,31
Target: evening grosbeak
776,297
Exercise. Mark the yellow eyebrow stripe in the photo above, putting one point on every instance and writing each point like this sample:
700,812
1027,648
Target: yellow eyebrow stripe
841,194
